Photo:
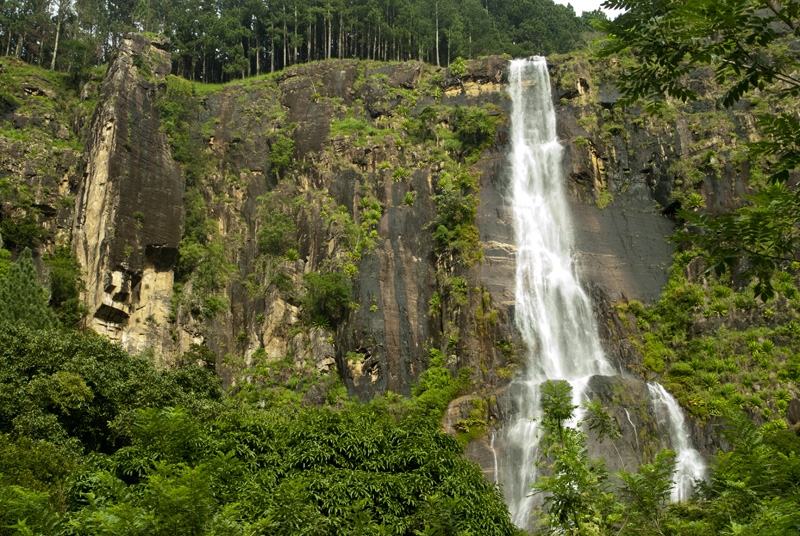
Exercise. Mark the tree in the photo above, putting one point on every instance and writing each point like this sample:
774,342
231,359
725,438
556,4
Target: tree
646,495
22,299
746,44
577,499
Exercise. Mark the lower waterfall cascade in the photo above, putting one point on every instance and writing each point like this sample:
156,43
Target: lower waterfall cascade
553,313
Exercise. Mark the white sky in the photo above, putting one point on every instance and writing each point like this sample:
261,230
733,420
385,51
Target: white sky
587,5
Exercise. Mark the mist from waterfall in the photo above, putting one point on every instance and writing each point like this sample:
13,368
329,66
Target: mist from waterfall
553,313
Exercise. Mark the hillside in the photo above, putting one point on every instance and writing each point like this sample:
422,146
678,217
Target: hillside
340,231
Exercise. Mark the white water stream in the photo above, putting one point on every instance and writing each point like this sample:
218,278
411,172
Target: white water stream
689,465
553,313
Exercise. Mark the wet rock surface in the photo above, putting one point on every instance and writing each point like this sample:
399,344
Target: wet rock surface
126,231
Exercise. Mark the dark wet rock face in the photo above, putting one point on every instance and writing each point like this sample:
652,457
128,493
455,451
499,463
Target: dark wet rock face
130,204
350,151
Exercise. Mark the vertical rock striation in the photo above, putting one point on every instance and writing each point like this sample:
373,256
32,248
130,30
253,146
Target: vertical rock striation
130,204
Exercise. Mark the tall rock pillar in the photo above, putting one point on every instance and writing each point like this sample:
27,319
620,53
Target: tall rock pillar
130,210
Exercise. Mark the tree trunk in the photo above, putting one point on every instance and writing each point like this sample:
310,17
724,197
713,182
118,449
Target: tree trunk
437,34
18,51
294,44
55,46
285,37
449,36
258,51
329,39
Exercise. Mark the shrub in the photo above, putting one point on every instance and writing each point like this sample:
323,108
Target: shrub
277,232
281,154
474,129
327,297
65,286
23,231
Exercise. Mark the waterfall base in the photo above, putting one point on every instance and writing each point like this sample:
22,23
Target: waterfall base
639,410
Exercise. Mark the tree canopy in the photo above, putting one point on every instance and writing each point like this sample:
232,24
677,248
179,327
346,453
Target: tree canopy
751,49
22,299
217,40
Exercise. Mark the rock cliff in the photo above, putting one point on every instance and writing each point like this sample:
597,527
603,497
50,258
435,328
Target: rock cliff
129,210
203,215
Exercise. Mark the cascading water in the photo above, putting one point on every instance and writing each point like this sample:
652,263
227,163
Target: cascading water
553,313
689,465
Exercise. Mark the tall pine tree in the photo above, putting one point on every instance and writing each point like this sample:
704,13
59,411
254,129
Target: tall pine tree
22,299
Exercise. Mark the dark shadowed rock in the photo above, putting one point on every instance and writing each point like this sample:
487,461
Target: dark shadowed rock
130,207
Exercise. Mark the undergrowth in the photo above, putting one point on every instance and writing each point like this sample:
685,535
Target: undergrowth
715,346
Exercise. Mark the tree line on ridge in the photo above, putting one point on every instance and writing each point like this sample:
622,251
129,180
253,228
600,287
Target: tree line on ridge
220,40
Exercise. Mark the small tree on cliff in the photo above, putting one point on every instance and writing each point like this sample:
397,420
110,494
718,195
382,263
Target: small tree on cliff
22,299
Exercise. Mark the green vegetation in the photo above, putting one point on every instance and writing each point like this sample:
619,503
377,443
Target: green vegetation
752,491
361,130
750,365
203,269
177,107
65,286
202,264
473,130
281,154
22,299
95,441
326,299
277,233
604,199
454,230
223,41
747,45
23,230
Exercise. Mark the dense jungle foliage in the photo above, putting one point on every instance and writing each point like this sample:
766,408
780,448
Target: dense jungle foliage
215,41
96,441
753,488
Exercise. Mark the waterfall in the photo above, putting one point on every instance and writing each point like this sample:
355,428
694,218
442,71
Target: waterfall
689,465
635,434
553,313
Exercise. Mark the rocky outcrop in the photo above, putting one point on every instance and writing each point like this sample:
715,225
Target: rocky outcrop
130,204
360,192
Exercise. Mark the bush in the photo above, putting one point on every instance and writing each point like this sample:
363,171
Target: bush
474,129
23,231
65,286
277,233
456,207
327,297
281,154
